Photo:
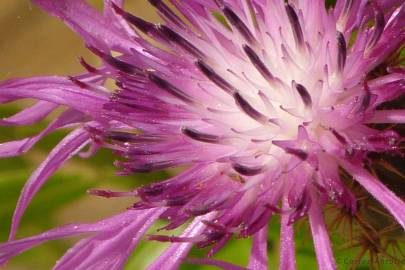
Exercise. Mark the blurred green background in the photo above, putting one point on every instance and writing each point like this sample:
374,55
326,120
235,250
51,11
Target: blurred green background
34,43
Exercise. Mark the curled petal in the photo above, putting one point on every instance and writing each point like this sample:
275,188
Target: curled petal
68,147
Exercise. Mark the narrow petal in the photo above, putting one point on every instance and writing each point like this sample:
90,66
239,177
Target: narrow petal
388,116
12,148
19,147
380,192
68,147
109,13
173,256
57,90
109,250
258,257
15,247
287,249
31,115
321,240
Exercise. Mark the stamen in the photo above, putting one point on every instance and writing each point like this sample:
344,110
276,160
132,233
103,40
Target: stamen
146,167
342,51
295,25
216,226
248,171
87,66
297,152
274,209
142,25
212,237
118,64
173,239
248,109
111,194
132,137
301,208
200,136
239,25
219,3
366,100
171,89
182,42
167,12
338,136
258,63
304,94
214,77
179,200
153,189
206,207
378,27
347,6
78,82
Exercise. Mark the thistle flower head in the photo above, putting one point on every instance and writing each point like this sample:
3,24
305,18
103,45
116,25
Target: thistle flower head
263,102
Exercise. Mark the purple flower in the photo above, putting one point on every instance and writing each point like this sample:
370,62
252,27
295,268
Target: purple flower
264,102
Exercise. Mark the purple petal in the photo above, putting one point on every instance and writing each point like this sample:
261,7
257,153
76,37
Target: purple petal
380,192
109,249
12,148
118,21
388,116
287,249
31,115
68,147
15,148
115,223
258,257
57,90
320,236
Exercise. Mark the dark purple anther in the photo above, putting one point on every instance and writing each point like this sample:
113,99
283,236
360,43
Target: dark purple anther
179,40
235,21
304,94
168,13
200,136
214,77
342,51
297,152
338,136
142,25
258,63
248,171
378,27
295,25
114,62
249,110
171,89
